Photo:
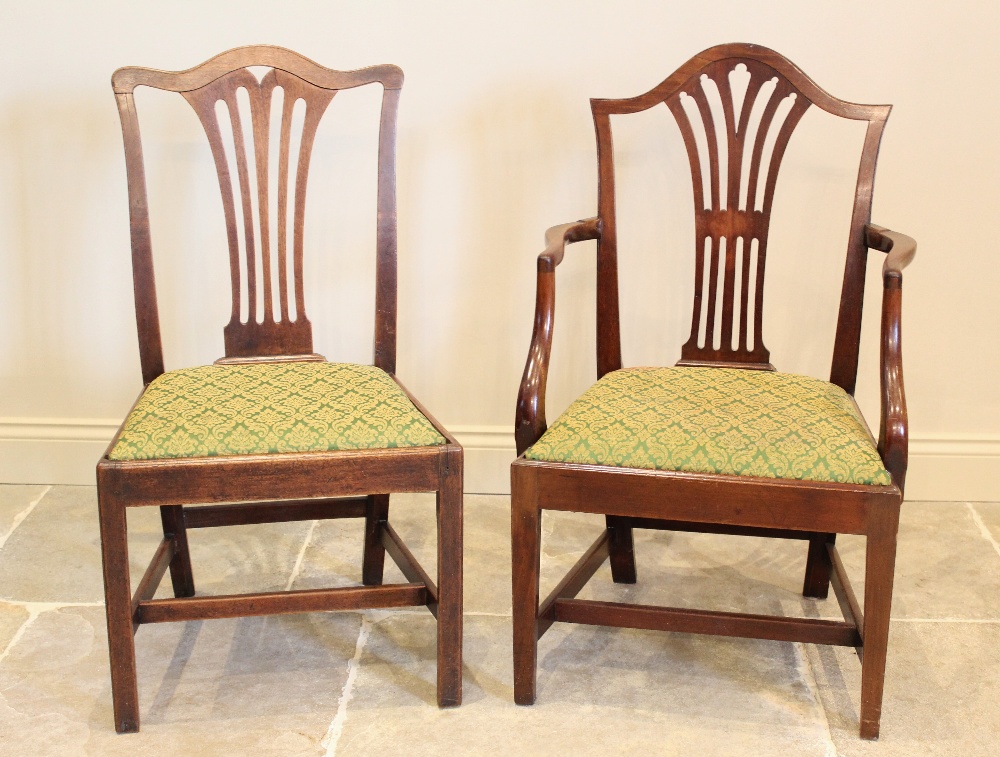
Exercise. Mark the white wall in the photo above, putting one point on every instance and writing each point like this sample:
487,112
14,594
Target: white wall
496,143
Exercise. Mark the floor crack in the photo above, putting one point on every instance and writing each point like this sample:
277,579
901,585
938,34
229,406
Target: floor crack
809,674
336,729
19,518
297,568
978,520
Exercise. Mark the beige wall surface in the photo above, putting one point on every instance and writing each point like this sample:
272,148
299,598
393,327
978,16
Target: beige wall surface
496,143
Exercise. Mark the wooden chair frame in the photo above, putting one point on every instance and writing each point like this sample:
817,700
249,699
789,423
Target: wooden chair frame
243,489
632,498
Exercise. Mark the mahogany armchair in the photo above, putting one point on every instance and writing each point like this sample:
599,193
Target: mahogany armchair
721,442
271,432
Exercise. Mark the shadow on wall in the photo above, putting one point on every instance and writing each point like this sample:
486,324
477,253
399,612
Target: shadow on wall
66,293
471,227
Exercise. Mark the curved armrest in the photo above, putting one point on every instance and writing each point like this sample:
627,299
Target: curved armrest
893,440
901,249
529,421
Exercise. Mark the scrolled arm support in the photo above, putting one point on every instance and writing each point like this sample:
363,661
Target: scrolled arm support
893,441
529,422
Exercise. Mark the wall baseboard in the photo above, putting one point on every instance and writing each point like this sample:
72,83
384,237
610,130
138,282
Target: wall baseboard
951,467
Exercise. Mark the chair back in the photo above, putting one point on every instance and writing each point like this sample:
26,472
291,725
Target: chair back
260,324
734,169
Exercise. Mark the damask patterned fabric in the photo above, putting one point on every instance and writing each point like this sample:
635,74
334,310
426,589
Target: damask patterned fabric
716,420
271,407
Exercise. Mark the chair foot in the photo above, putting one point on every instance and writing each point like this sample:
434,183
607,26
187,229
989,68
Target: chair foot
526,539
181,574
373,561
818,567
118,608
450,585
621,550
869,730
880,562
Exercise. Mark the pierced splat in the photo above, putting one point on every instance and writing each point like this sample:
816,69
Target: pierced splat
268,311
733,216
736,106
287,331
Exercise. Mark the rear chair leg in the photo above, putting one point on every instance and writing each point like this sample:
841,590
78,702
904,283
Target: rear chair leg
449,580
373,562
818,567
118,606
181,576
621,549
526,542
880,561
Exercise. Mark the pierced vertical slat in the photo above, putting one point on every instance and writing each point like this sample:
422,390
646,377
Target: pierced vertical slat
744,294
799,107
260,114
729,284
713,141
713,289
733,169
315,108
691,145
699,289
777,95
243,173
203,101
738,143
283,149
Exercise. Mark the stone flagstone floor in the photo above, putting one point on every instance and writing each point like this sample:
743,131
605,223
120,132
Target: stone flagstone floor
363,683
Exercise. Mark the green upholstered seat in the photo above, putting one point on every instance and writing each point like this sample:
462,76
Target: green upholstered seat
271,407
716,420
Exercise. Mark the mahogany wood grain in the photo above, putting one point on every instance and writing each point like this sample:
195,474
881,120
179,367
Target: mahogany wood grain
154,574
281,602
213,516
574,581
450,580
217,81
717,528
174,522
407,564
706,498
529,423
734,175
293,476
880,560
526,544
748,626
376,514
621,549
844,592
816,583
268,323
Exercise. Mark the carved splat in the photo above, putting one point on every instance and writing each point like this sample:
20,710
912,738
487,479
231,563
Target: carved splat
736,107
247,336
732,222
268,308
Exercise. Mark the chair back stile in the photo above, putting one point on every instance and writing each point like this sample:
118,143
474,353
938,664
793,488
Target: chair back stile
261,325
734,169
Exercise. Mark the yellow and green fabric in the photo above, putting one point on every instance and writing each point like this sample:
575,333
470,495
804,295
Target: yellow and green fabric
263,408
716,420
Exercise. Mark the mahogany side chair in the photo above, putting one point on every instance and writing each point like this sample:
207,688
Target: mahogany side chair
721,442
271,432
